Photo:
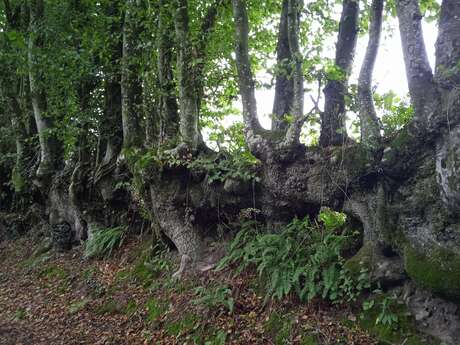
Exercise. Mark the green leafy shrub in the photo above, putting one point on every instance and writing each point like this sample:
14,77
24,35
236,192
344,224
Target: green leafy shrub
103,241
304,258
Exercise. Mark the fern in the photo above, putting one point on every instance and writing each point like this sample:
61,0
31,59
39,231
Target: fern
303,257
103,241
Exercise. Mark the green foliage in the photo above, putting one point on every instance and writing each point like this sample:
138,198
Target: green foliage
303,257
396,112
225,167
103,241
220,296
385,308
334,72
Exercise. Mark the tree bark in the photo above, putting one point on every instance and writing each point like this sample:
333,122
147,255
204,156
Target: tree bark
131,84
333,129
188,99
253,129
370,124
49,145
284,84
293,132
423,92
169,116
111,125
448,45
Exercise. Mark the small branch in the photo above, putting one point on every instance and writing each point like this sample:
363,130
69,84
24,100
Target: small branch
370,126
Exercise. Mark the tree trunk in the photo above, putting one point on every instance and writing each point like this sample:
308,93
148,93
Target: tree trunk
370,125
169,116
49,145
131,84
333,129
188,99
284,85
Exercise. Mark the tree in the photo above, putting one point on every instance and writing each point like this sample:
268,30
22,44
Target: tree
174,69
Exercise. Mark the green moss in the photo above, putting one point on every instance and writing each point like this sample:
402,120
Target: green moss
362,260
437,270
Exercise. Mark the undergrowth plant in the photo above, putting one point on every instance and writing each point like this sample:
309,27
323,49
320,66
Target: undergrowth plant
304,258
220,296
103,241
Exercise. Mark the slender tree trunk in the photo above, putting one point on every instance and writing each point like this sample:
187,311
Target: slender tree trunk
370,125
111,125
253,130
169,116
293,132
333,129
131,84
448,45
49,146
284,84
423,92
187,92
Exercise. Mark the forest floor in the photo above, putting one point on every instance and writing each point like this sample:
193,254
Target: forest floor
57,298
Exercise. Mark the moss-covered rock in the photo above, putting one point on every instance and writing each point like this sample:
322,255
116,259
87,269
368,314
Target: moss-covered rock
437,270
364,259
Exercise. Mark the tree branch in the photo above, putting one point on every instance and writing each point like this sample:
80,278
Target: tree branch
245,78
419,75
333,130
448,45
370,126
